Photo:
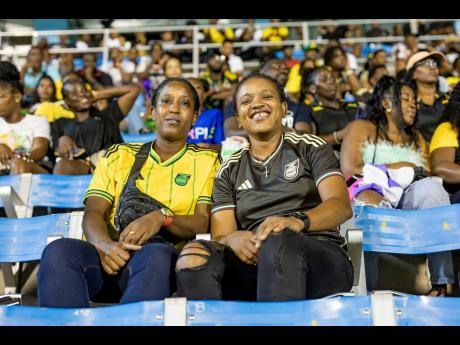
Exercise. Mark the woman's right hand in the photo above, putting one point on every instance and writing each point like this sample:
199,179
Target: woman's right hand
65,146
243,244
114,256
5,154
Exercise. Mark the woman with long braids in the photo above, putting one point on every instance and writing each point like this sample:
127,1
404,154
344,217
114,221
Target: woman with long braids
388,139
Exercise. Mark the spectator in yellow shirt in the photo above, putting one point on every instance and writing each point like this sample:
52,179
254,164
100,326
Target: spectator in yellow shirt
444,147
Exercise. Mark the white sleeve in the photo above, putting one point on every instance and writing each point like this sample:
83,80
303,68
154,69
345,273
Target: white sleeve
41,127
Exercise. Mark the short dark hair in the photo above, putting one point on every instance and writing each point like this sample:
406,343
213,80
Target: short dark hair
9,75
202,81
185,82
70,82
268,62
278,87
329,54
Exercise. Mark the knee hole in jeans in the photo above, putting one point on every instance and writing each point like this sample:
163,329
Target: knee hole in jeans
192,256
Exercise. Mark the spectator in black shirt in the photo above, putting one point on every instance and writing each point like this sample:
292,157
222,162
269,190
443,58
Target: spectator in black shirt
81,141
336,58
423,74
298,116
276,207
330,114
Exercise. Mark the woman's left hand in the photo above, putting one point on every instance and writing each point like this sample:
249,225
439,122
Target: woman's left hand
140,230
276,224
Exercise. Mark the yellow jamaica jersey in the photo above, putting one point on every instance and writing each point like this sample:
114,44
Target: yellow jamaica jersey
181,182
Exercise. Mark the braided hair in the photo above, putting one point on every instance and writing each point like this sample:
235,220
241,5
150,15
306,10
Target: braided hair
389,88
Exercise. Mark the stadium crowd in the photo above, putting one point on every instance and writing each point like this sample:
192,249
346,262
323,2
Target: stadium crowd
263,159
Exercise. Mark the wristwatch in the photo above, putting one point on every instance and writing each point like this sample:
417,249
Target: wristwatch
168,218
303,217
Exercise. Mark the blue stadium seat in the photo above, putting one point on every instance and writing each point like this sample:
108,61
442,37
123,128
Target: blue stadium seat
409,231
338,311
138,138
59,191
41,190
382,308
23,239
133,314
427,311
10,180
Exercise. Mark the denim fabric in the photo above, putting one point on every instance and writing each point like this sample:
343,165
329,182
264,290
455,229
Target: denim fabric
290,266
71,275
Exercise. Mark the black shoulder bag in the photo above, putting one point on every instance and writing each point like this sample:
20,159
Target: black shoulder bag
134,204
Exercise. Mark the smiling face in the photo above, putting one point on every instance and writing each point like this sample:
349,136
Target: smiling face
76,96
259,107
174,111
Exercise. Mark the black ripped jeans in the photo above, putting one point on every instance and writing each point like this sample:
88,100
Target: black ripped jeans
291,266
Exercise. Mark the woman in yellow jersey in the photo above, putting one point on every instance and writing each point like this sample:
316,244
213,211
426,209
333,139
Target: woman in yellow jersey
444,147
143,200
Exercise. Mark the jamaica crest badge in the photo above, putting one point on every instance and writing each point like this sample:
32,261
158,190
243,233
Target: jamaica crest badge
291,170
182,179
